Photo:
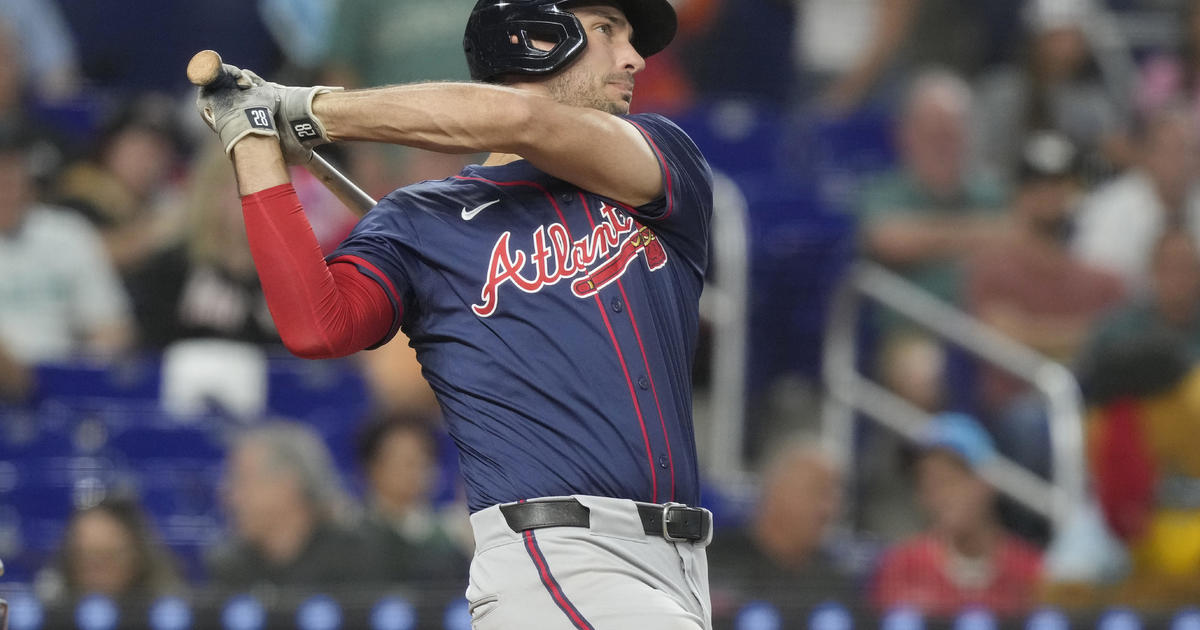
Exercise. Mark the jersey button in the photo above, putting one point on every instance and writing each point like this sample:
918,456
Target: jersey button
643,382
617,306
662,462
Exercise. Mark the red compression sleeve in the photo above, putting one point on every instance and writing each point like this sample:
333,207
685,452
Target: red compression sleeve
321,310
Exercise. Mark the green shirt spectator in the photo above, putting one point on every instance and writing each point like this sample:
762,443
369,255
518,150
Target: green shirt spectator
898,197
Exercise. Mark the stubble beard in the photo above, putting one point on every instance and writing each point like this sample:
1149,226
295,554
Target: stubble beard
586,90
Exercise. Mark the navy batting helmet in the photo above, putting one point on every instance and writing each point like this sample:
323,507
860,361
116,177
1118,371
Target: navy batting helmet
492,53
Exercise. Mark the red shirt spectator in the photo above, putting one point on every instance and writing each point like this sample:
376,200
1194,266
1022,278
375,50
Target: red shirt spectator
964,558
928,574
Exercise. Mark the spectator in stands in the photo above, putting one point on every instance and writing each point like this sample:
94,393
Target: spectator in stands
858,53
110,549
1029,286
290,516
1141,381
1120,222
46,48
1171,312
122,187
1174,75
399,456
15,105
964,558
1061,86
787,545
922,219
1146,469
203,285
59,295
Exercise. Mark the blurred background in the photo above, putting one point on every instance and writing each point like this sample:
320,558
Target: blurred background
947,371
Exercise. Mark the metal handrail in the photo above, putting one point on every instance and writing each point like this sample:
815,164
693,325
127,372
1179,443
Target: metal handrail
724,306
850,392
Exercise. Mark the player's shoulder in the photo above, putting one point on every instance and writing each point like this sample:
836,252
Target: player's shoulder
658,126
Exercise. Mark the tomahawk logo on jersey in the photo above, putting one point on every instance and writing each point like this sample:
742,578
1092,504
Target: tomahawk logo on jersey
566,318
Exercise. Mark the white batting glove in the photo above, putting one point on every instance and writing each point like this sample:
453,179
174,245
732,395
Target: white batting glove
237,111
300,126
302,130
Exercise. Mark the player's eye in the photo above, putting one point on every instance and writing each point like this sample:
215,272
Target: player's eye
605,28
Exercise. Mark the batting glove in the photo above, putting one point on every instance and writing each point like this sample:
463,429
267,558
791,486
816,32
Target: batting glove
238,110
296,115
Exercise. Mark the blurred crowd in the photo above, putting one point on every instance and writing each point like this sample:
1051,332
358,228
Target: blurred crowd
1045,182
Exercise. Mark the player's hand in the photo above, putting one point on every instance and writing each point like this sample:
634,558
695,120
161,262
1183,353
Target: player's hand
301,129
234,112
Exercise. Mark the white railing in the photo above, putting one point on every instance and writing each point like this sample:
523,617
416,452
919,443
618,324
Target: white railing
850,392
724,306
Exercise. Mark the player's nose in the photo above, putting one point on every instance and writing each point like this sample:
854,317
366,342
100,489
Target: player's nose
629,58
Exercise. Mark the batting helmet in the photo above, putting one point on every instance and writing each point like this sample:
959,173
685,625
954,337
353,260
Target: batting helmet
491,51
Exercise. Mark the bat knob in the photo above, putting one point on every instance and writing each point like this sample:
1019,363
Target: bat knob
204,68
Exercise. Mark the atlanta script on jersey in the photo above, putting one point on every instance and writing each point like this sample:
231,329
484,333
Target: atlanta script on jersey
557,327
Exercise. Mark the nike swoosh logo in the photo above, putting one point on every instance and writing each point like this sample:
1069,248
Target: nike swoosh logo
468,215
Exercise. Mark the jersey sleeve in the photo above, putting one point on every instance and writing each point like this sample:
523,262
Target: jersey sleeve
382,247
684,211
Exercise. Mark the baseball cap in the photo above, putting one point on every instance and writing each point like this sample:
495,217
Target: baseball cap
1048,15
960,434
1048,155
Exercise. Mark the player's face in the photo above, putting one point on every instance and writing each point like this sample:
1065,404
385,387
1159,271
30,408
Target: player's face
602,77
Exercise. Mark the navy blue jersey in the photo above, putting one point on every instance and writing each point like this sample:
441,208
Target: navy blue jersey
557,327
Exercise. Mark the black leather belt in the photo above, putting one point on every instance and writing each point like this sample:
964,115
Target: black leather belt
673,521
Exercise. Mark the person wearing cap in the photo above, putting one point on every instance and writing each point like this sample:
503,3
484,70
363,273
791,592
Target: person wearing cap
1030,287
964,557
1062,84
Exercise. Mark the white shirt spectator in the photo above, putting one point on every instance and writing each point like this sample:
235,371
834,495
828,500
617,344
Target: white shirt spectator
1121,221
57,288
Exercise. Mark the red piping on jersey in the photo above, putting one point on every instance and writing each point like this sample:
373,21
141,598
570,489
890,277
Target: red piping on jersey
616,346
645,360
552,585
387,282
632,395
663,163
653,387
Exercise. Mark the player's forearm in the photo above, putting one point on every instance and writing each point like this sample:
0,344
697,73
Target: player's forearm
446,117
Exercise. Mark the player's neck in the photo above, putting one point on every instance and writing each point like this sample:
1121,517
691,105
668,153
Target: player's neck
500,159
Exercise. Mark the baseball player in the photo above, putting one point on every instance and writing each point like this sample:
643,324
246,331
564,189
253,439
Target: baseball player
551,294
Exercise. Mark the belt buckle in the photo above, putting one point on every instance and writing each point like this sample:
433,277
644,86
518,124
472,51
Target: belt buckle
666,518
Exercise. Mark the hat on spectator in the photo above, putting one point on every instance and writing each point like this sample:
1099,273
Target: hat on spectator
1049,15
961,435
1048,155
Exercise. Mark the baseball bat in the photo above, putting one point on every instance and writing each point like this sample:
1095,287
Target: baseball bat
205,70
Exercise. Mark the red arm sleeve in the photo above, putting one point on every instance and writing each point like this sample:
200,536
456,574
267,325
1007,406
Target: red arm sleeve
321,310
